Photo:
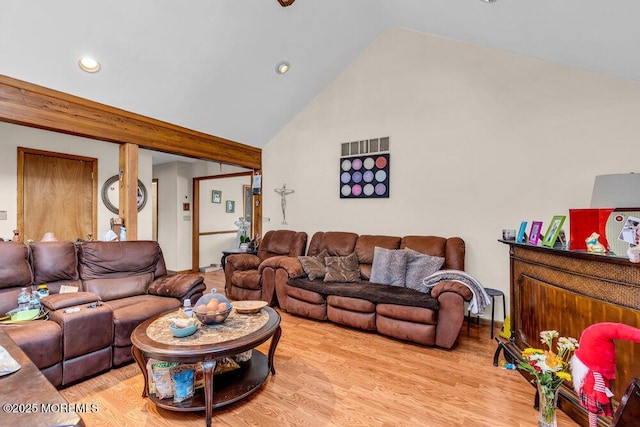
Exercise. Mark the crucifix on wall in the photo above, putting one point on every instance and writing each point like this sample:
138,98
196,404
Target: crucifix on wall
284,192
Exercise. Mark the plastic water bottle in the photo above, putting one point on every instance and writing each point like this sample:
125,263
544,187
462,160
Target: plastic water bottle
34,302
188,310
23,299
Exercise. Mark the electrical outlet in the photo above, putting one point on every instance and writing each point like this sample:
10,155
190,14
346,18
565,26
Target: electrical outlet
186,217
3,215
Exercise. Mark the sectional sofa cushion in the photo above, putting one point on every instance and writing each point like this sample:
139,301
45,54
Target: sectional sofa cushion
14,268
54,261
368,291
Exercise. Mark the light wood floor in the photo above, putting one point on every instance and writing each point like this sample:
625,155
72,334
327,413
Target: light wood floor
327,375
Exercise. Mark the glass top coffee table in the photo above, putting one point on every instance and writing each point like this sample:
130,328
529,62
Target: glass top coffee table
239,333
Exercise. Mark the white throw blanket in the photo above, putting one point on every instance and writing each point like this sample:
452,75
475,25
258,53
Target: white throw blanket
479,300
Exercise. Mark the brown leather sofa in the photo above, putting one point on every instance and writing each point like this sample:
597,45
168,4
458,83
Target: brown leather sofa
433,319
250,277
120,285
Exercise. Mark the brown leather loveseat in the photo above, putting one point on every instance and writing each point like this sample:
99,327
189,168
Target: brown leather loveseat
433,318
120,284
251,277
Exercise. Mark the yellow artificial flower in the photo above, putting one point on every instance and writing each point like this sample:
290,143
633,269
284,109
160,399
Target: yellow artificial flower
564,375
531,351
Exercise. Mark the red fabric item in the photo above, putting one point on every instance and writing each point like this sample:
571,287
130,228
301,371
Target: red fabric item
597,349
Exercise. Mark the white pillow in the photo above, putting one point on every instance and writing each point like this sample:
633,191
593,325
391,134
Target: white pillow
389,266
419,266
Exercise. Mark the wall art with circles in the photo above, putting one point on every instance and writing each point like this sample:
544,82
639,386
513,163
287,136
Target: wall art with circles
364,177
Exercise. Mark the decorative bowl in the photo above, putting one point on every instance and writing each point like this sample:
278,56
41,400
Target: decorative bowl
212,309
249,306
183,332
214,318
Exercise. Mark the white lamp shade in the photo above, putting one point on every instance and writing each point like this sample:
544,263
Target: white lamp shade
616,191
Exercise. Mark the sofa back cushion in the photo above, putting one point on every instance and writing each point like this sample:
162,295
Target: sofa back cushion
110,289
15,273
365,247
54,262
336,243
118,269
282,242
14,267
451,249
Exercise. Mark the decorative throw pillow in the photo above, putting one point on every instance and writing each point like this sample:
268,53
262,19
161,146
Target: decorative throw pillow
389,266
314,265
342,268
419,266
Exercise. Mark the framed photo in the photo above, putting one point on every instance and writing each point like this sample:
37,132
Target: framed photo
521,232
216,196
534,232
555,226
231,206
630,232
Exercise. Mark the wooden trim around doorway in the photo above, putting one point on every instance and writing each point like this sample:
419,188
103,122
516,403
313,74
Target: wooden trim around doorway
195,245
20,179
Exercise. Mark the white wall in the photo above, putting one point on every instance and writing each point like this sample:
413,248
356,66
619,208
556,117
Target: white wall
14,136
167,212
480,140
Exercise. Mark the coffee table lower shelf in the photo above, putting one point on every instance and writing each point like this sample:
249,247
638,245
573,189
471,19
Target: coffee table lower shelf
228,388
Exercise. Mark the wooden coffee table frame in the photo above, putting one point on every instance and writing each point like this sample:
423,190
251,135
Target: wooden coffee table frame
229,387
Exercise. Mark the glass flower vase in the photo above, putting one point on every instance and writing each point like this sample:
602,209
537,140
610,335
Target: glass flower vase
548,399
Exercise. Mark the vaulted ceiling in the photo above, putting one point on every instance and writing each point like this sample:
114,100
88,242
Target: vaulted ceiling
209,65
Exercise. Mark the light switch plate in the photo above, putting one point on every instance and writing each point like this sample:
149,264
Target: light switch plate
3,215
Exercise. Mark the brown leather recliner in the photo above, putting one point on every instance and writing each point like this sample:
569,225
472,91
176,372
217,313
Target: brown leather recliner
251,277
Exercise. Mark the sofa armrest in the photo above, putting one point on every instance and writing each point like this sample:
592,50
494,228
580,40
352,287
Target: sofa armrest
180,286
451,286
283,269
271,262
451,296
60,301
243,261
291,265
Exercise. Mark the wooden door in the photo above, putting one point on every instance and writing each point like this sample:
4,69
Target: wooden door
56,193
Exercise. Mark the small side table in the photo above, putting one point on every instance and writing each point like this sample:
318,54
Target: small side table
493,293
234,251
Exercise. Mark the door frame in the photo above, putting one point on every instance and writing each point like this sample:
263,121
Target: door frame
195,240
20,178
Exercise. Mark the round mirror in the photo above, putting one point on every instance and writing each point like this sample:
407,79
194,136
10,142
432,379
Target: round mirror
111,194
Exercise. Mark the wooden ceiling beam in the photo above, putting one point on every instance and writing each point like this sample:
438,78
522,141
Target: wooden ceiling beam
36,106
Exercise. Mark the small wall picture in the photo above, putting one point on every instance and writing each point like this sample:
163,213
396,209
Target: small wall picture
555,226
534,233
216,196
522,232
231,206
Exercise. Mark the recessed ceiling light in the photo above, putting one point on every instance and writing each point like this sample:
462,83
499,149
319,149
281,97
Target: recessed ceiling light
489,1
88,64
282,67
